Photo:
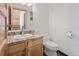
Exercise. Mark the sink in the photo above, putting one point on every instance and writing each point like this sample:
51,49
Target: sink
24,36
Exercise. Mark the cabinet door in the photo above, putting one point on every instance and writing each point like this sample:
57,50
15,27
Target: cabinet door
35,47
35,51
17,49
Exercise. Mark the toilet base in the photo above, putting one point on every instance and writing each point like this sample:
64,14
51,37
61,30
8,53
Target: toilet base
50,52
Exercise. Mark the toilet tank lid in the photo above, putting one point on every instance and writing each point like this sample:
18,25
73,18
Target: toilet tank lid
50,43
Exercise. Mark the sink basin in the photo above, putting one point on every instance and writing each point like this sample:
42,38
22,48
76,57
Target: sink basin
25,36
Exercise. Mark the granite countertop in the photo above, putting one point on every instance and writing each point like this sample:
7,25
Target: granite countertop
11,38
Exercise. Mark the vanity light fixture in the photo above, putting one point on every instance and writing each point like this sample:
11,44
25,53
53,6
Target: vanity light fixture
23,3
29,4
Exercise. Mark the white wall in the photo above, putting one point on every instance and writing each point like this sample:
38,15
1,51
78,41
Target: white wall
41,18
56,20
64,18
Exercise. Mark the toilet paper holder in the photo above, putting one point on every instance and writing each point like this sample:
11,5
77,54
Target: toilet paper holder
69,34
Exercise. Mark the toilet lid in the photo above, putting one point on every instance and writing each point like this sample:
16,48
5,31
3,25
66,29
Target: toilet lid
50,44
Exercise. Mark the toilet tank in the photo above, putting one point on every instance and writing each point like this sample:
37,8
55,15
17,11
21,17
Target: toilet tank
46,37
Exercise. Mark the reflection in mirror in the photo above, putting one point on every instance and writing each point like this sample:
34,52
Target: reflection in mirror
22,19
17,20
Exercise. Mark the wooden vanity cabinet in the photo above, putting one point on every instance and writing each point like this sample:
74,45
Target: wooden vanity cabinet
35,47
30,47
17,49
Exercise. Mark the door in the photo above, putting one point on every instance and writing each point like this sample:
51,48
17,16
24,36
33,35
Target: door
3,48
3,20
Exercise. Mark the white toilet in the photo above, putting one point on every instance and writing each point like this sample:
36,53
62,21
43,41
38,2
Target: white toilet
50,47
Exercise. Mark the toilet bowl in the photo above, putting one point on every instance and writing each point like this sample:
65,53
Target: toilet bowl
50,48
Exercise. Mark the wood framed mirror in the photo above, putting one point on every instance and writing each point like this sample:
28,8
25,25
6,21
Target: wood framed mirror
16,17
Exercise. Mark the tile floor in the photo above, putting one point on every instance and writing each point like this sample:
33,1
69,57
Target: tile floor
59,53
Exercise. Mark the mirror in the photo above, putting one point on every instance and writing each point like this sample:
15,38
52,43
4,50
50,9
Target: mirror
17,18
17,21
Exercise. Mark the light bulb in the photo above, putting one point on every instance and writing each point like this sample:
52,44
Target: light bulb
29,4
23,3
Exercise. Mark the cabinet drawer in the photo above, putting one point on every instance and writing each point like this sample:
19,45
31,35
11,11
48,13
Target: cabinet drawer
16,48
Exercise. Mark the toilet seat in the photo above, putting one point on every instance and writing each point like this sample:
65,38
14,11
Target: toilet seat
51,45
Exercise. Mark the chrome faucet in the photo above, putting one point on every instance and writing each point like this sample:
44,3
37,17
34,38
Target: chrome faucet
22,30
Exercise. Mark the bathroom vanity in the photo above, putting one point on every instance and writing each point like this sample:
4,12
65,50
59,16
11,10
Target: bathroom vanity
15,39
32,46
19,42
